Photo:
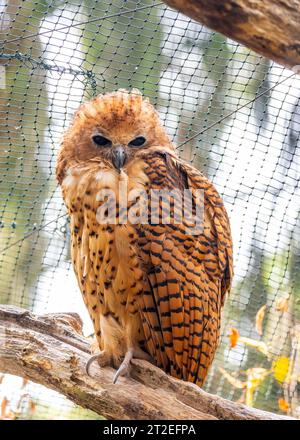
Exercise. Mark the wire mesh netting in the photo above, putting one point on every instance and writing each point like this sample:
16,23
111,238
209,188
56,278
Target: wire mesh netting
233,114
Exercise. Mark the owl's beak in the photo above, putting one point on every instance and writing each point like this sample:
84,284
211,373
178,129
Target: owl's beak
118,157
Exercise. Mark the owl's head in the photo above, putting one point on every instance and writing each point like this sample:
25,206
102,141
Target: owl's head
114,127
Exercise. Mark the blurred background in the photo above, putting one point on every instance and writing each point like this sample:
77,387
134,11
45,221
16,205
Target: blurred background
243,113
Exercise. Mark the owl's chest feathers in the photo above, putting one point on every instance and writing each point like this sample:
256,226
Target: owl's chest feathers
105,256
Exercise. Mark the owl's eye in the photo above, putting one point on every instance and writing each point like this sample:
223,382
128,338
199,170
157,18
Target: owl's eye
137,142
101,141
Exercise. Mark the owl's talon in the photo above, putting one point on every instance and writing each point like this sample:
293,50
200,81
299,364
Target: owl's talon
124,368
102,358
89,363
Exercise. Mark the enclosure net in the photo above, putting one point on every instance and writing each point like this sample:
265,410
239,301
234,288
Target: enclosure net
233,114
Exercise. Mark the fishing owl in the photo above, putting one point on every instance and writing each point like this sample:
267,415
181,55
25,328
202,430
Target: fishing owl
154,289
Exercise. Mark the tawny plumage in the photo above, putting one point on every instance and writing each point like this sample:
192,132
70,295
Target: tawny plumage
153,290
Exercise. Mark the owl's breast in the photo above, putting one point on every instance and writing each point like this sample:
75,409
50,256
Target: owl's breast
104,253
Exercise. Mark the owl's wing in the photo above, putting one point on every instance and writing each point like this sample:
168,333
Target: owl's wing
187,276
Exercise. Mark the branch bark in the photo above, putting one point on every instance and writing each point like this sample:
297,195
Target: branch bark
268,27
50,350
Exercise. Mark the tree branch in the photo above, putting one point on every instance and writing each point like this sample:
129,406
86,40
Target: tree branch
268,27
50,350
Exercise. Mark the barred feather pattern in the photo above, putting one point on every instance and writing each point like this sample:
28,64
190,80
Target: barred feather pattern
187,277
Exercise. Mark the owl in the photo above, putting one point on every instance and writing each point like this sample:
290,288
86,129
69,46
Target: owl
153,284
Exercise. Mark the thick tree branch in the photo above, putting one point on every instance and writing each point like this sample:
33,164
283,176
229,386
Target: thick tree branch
268,27
50,350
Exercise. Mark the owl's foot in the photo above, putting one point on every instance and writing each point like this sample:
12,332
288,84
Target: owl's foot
124,368
103,358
